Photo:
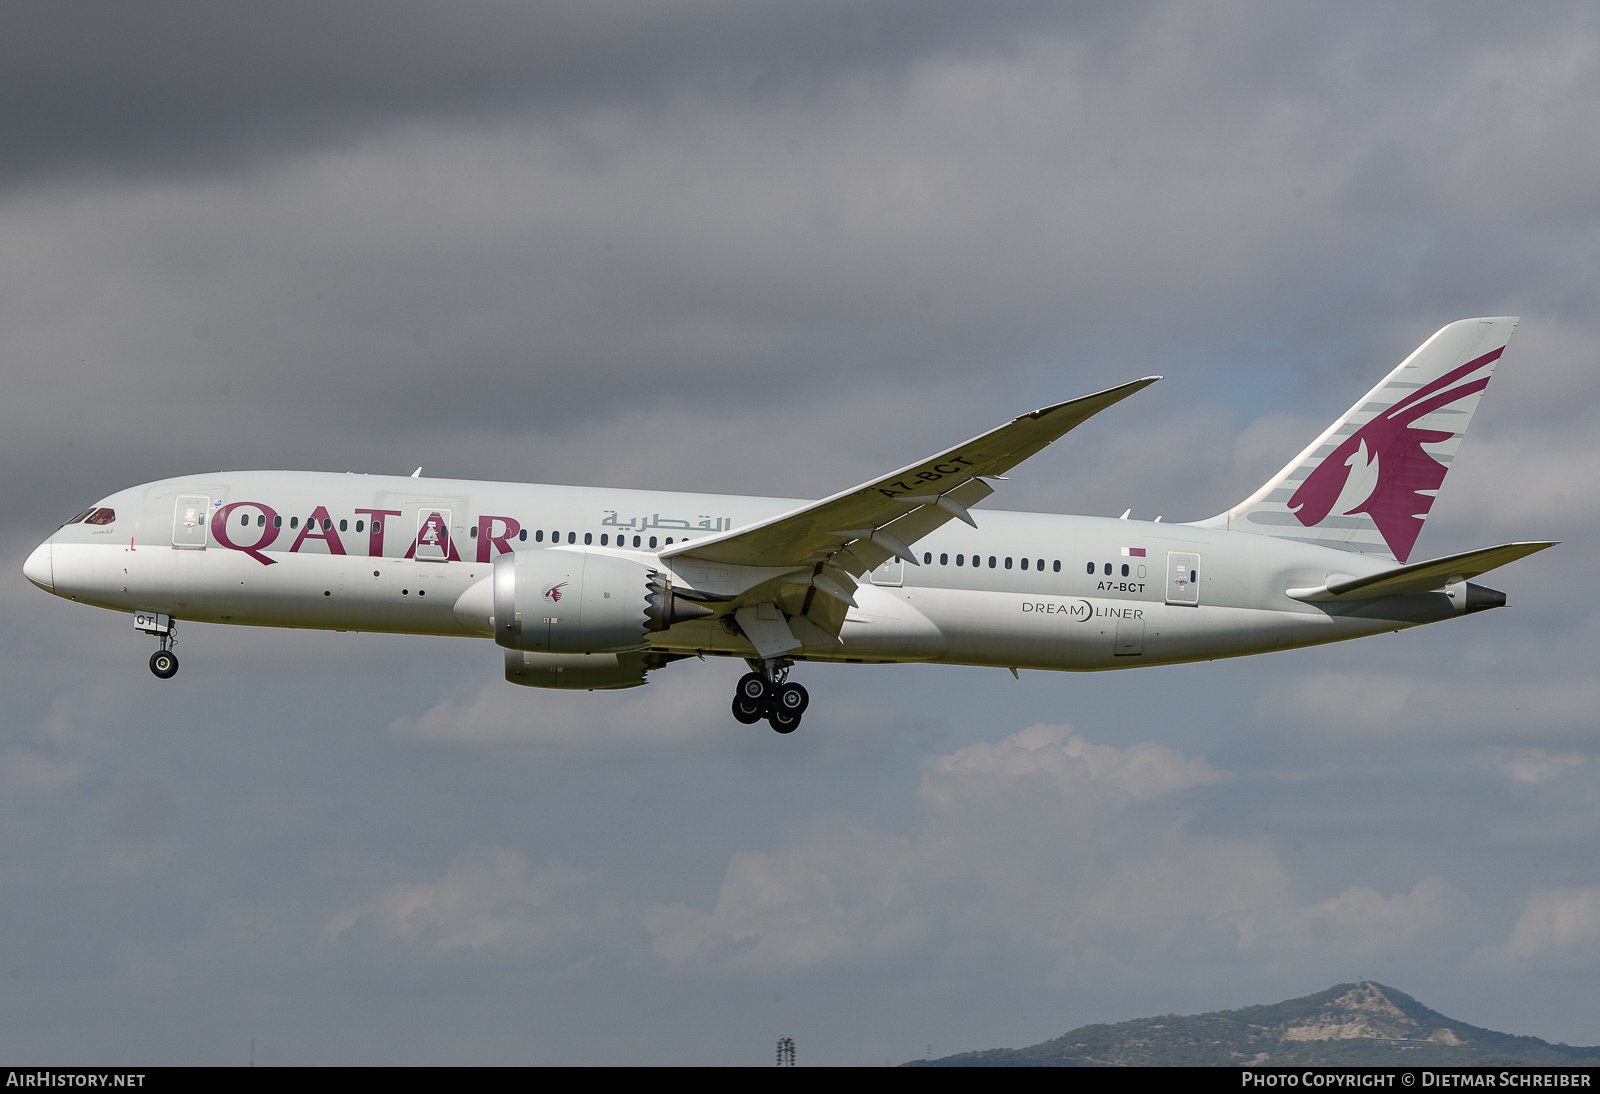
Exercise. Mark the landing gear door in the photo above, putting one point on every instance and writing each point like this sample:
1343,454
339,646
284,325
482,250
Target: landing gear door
189,519
1183,578
433,535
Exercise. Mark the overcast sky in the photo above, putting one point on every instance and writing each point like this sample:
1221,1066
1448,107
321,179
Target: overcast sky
779,248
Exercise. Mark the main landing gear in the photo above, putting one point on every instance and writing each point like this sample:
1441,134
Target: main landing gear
766,693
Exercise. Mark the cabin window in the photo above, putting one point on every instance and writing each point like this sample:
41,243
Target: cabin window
472,533
669,541
1008,563
277,522
244,520
652,541
523,535
588,537
294,522
927,557
944,560
636,541
344,526
961,560
572,537
1058,566
1108,569
327,522
1124,569
603,538
1024,564
377,527
1091,567
361,526
538,537
991,562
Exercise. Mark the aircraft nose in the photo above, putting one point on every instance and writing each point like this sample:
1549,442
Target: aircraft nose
38,568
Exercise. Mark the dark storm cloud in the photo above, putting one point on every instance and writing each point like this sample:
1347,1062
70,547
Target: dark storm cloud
159,88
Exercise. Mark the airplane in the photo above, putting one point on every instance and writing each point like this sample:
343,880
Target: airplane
594,588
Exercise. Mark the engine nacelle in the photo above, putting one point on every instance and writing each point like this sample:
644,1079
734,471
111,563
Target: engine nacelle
576,671
573,601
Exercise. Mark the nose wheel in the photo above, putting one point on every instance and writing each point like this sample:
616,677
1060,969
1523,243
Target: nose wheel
779,701
164,663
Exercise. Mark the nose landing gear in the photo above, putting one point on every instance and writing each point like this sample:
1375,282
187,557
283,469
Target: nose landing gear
164,663
767,694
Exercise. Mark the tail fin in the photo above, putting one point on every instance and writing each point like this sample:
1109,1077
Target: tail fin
1368,482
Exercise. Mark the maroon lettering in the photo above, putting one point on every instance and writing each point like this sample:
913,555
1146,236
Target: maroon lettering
501,542
219,531
375,534
319,526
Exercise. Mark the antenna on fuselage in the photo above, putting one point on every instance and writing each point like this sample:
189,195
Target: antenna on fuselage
417,474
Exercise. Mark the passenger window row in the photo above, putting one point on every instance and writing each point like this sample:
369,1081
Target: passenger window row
994,562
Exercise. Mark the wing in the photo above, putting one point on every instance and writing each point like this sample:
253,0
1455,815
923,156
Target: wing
859,528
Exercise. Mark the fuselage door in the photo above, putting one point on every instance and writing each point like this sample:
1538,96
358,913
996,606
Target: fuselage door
189,521
1183,578
892,572
433,535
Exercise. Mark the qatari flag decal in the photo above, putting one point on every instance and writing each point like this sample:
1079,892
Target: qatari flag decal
1133,552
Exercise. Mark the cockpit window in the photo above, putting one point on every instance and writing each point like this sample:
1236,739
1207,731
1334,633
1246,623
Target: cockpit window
94,515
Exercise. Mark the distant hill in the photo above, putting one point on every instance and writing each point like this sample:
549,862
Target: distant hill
1359,1025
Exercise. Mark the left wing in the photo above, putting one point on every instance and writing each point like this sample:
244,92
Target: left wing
860,528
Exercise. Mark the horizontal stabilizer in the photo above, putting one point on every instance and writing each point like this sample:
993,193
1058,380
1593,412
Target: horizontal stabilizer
1420,577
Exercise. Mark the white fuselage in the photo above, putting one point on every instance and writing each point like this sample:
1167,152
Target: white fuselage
396,554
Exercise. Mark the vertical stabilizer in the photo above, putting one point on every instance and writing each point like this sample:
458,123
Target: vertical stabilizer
1368,482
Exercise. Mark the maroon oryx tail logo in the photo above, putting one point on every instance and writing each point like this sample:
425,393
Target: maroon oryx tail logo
1387,453
553,593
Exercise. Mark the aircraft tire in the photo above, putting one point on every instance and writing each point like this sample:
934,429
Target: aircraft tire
784,721
746,712
793,698
164,663
753,688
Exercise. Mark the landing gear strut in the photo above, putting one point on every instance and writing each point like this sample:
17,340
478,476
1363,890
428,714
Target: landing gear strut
767,693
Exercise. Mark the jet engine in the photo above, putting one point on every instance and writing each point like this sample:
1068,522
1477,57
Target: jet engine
560,601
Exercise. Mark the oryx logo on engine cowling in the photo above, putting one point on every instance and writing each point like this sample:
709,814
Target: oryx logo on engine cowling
1387,453
552,593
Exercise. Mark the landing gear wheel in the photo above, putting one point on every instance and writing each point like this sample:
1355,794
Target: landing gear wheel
747,713
753,688
164,663
791,697
784,721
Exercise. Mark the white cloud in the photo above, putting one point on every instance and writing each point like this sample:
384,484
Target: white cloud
487,901
1064,853
1558,922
